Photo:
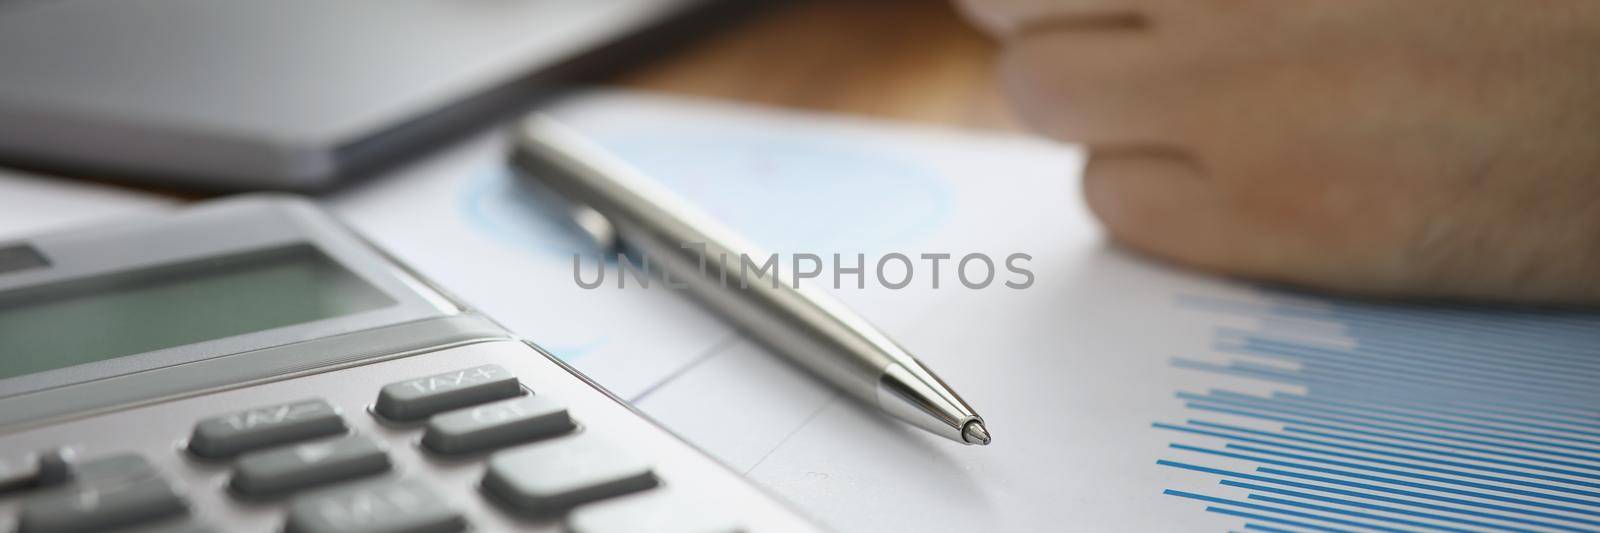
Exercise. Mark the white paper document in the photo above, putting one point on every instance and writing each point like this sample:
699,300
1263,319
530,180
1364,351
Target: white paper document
1122,395
1069,372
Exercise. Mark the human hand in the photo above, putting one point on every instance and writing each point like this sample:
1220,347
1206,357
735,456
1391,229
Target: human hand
1435,148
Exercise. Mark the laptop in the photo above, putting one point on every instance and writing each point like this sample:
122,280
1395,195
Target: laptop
291,94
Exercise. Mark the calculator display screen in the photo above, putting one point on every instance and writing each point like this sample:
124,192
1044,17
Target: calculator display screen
86,320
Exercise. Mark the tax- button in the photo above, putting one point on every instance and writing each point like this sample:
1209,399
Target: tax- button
416,399
492,425
554,475
252,429
280,470
406,506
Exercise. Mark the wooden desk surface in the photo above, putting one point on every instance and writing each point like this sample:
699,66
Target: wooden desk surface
900,59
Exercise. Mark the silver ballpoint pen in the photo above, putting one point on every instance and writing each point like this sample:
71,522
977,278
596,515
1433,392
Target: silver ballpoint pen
614,202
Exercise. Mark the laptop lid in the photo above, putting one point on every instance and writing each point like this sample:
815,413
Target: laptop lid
288,94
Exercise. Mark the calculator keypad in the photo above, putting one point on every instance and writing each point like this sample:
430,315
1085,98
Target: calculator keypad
483,437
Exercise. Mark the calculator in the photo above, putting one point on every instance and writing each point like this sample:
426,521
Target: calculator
250,364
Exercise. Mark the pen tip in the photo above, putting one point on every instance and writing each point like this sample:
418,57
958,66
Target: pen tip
975,433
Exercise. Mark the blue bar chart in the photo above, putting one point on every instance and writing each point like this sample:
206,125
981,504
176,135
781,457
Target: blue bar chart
1394,417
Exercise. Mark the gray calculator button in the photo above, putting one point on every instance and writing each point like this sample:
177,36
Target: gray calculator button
495,424
16,471
100,504
184,526
658,511
34,470
122,466
415,399
554,475
51,468
298,466
263,427
405,506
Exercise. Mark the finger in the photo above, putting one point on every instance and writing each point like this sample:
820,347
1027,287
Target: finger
1162,204
1099,87
1157,202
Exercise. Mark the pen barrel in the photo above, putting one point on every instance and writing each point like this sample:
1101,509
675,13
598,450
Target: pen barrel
794,322
723,271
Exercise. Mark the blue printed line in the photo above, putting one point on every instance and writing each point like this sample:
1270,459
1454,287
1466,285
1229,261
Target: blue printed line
1392,481
1324,311
1450,410
1222,369
1460,503
1553,369
1253,516
1347,417
1439,331
1448,384
1355,448
1411,416
1268,529
1448,442
1290,512
1492,376
1303,422
1384,319
1397,346
1505,426
1357,514
1502,453
1437,479
1414,494
1435,385
1350,384
1501,404
1444,453
1396,510
1384,354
